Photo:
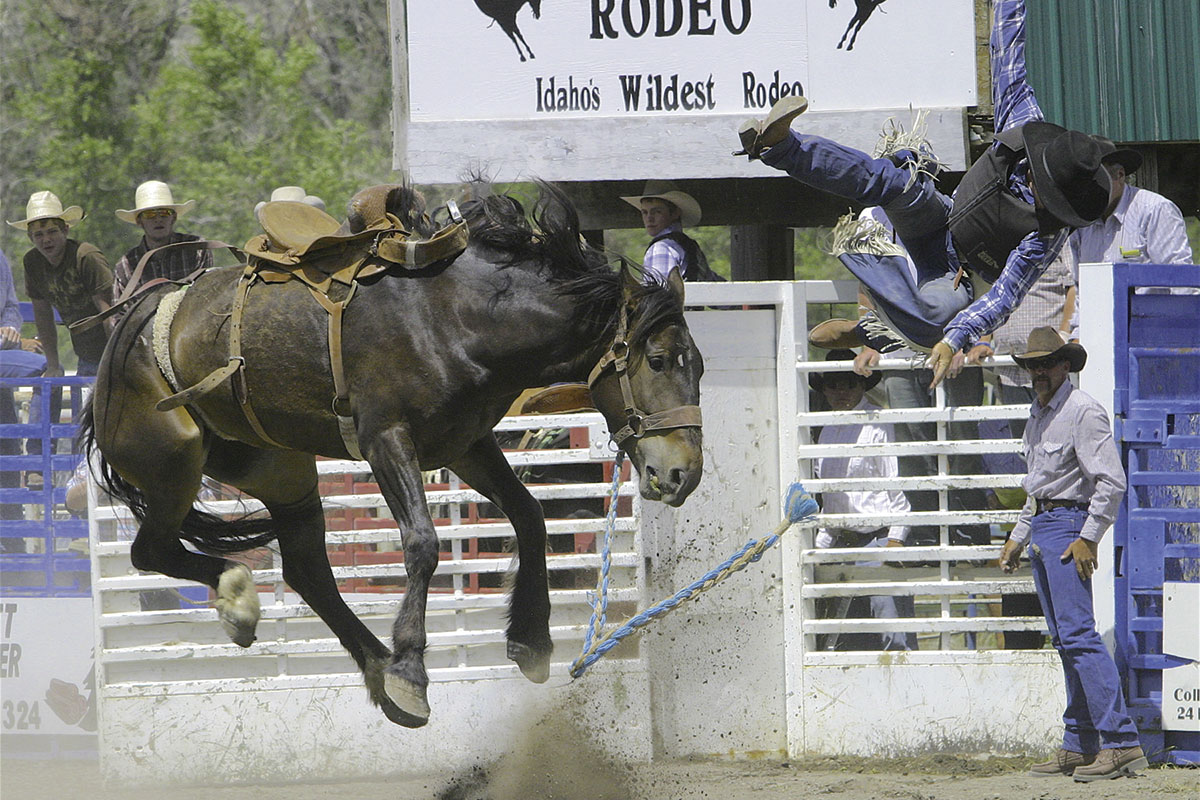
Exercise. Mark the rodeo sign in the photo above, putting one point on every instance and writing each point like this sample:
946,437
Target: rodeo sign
529,59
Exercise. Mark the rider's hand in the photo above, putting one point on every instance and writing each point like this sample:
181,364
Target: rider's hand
10,338
55,371
864,361
979,352
939,361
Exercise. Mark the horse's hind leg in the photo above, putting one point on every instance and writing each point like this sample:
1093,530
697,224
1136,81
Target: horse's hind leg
286,483
486,470
514,34
161,456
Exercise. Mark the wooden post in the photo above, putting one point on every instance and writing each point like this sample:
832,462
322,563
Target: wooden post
761,253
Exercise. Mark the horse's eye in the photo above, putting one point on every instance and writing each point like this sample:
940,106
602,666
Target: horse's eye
657,363
680,361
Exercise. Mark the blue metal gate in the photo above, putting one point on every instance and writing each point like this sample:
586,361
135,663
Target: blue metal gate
1157,535
42,547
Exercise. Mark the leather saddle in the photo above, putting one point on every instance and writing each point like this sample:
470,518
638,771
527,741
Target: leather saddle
297,232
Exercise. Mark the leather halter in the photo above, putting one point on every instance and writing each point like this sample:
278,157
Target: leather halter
637,422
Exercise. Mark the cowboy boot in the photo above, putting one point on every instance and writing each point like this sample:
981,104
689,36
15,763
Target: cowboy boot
1063,762
758,135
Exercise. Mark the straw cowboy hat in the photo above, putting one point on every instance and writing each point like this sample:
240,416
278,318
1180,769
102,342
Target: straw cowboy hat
1046,341
665,190
153,194
1068,177
46,205
1111,154
291,194
817,379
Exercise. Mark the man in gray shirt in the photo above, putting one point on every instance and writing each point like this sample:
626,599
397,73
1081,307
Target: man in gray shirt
1074,487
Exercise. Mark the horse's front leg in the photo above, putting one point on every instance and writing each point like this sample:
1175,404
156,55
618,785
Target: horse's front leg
393,460
486,470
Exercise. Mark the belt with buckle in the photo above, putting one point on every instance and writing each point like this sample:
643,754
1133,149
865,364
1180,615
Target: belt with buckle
1049,505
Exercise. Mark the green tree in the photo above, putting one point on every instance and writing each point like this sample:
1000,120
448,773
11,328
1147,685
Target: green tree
232,118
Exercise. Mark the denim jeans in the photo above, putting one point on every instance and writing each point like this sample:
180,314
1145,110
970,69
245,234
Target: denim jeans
922,306
1096,717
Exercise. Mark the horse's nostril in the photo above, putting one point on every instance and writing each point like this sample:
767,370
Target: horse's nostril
678,476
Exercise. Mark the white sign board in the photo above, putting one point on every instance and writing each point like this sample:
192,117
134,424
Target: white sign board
1181,610
1181,698
679,57
46,678
680,64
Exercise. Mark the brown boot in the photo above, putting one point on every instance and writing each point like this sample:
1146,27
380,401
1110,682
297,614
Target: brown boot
1112,762
835,333
757,135
1064,762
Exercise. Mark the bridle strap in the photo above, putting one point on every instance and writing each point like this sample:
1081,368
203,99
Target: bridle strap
637,423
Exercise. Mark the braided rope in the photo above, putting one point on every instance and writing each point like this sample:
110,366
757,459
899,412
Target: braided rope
799,506
599,599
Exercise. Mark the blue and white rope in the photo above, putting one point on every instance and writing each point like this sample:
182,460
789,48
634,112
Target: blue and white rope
798,507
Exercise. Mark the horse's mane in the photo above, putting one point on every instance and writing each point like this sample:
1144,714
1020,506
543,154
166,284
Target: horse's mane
550,237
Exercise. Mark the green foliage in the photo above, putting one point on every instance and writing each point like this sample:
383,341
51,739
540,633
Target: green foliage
101,95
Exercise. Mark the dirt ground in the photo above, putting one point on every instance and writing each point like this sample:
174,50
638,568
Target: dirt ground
552,777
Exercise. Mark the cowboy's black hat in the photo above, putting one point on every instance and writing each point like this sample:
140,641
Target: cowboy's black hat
1069,179
1046,341
1127,157
816,380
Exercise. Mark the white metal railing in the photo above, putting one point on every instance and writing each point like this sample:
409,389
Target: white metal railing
185,649
956,589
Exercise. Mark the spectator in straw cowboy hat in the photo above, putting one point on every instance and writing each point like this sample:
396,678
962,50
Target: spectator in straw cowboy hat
66,275
1074,487
665,212
156,212
291,194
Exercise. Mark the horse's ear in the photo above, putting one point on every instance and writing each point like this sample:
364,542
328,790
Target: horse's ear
630,284
675,284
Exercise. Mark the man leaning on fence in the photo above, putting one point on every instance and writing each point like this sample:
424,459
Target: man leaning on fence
66,275
1074,488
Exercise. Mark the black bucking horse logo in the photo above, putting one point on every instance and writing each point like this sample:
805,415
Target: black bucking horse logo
505,13
863,9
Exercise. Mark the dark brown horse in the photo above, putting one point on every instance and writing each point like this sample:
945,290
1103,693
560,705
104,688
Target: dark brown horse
433,359
505,13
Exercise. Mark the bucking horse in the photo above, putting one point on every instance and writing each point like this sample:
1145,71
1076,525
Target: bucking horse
430,358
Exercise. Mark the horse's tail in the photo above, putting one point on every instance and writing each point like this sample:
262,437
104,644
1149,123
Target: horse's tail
208,532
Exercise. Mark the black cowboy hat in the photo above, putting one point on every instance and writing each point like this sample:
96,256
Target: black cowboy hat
816,380
1069,180
1111,154
1046,341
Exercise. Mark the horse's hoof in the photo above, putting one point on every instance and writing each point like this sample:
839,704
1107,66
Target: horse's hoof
411,708
237,604
534,665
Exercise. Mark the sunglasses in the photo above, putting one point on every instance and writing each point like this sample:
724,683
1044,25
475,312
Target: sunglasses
155,213
1043,363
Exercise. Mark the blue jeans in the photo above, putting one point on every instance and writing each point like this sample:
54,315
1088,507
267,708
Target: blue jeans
920,307
1096,718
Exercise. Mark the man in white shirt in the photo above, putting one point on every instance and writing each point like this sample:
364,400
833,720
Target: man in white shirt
845,391
1074,489
1139,225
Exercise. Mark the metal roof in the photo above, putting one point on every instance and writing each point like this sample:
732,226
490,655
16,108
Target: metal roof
1127,69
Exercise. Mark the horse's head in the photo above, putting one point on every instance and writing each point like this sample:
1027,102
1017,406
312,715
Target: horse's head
536,7
648,388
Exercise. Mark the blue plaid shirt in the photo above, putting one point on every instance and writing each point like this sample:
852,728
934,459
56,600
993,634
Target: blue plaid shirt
663,256
1014,105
